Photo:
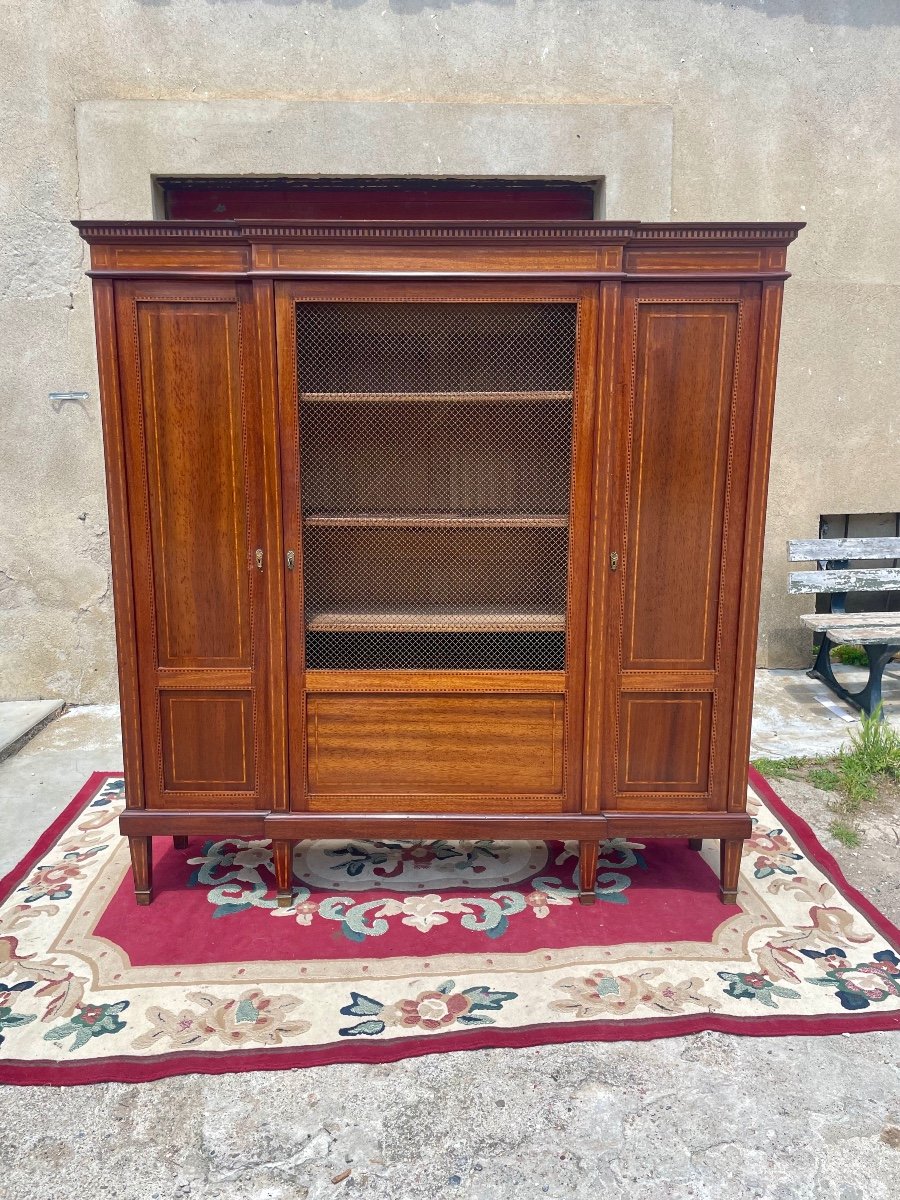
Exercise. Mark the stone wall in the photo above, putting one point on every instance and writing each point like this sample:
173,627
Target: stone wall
692,109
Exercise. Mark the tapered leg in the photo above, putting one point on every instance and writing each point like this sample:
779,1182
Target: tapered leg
142,868
180,842
284,872
587,871
730,868
695,843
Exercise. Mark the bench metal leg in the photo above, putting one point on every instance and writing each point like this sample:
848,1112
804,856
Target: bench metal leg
868,698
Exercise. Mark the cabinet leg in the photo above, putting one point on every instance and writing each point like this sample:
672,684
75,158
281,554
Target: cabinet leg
730,851
142,868
587,871
284,872
180,842
695,843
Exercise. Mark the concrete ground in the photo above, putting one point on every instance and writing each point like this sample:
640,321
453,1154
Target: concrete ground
705,1117
793,714
20,720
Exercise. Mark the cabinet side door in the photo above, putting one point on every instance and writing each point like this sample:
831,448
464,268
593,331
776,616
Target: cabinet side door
685,425
195,469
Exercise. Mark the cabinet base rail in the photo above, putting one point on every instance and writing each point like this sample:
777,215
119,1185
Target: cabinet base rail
285,829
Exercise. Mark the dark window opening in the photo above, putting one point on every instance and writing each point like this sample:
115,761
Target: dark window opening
858,525
377,200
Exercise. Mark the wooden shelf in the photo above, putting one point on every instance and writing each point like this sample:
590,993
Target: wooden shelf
437,521
433,397
461,622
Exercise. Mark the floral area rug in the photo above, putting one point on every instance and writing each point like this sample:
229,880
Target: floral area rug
394,949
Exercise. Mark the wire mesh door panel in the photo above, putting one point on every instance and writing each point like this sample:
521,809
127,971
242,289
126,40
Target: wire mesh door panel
436,478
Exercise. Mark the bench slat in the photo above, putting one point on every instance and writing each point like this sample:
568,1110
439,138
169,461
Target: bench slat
876,620
823,549
863,636
864,579
856,628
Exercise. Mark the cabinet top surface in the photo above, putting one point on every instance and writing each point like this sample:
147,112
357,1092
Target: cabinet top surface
558,233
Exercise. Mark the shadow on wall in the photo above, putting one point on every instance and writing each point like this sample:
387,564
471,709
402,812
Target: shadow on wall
862,14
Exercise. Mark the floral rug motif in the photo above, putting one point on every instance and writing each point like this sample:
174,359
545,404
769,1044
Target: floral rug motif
393,949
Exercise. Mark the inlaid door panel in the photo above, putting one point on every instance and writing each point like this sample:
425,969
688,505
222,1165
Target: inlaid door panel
666,741
683,424
197,503
207,740
684,361
193,416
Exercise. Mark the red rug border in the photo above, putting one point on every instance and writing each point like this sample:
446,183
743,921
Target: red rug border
806,837
145,1070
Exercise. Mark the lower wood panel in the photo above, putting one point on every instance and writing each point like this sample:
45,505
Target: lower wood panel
435,745
207,741
665,742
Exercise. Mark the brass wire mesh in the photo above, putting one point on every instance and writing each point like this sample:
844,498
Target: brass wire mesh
436,444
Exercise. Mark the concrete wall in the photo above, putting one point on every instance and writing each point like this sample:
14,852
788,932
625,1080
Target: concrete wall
775,109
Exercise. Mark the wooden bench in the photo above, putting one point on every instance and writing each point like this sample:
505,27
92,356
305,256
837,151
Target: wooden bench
878,633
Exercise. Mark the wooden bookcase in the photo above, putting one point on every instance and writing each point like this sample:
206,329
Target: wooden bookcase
436,530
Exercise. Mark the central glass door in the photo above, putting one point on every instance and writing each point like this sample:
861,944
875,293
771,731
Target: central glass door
436,471
436,460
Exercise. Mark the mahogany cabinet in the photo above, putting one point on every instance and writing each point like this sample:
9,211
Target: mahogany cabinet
436,530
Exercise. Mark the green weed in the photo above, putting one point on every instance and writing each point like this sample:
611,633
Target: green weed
824,778
777,768
852,776
851,656
845,833
857,783
874,754
875,746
